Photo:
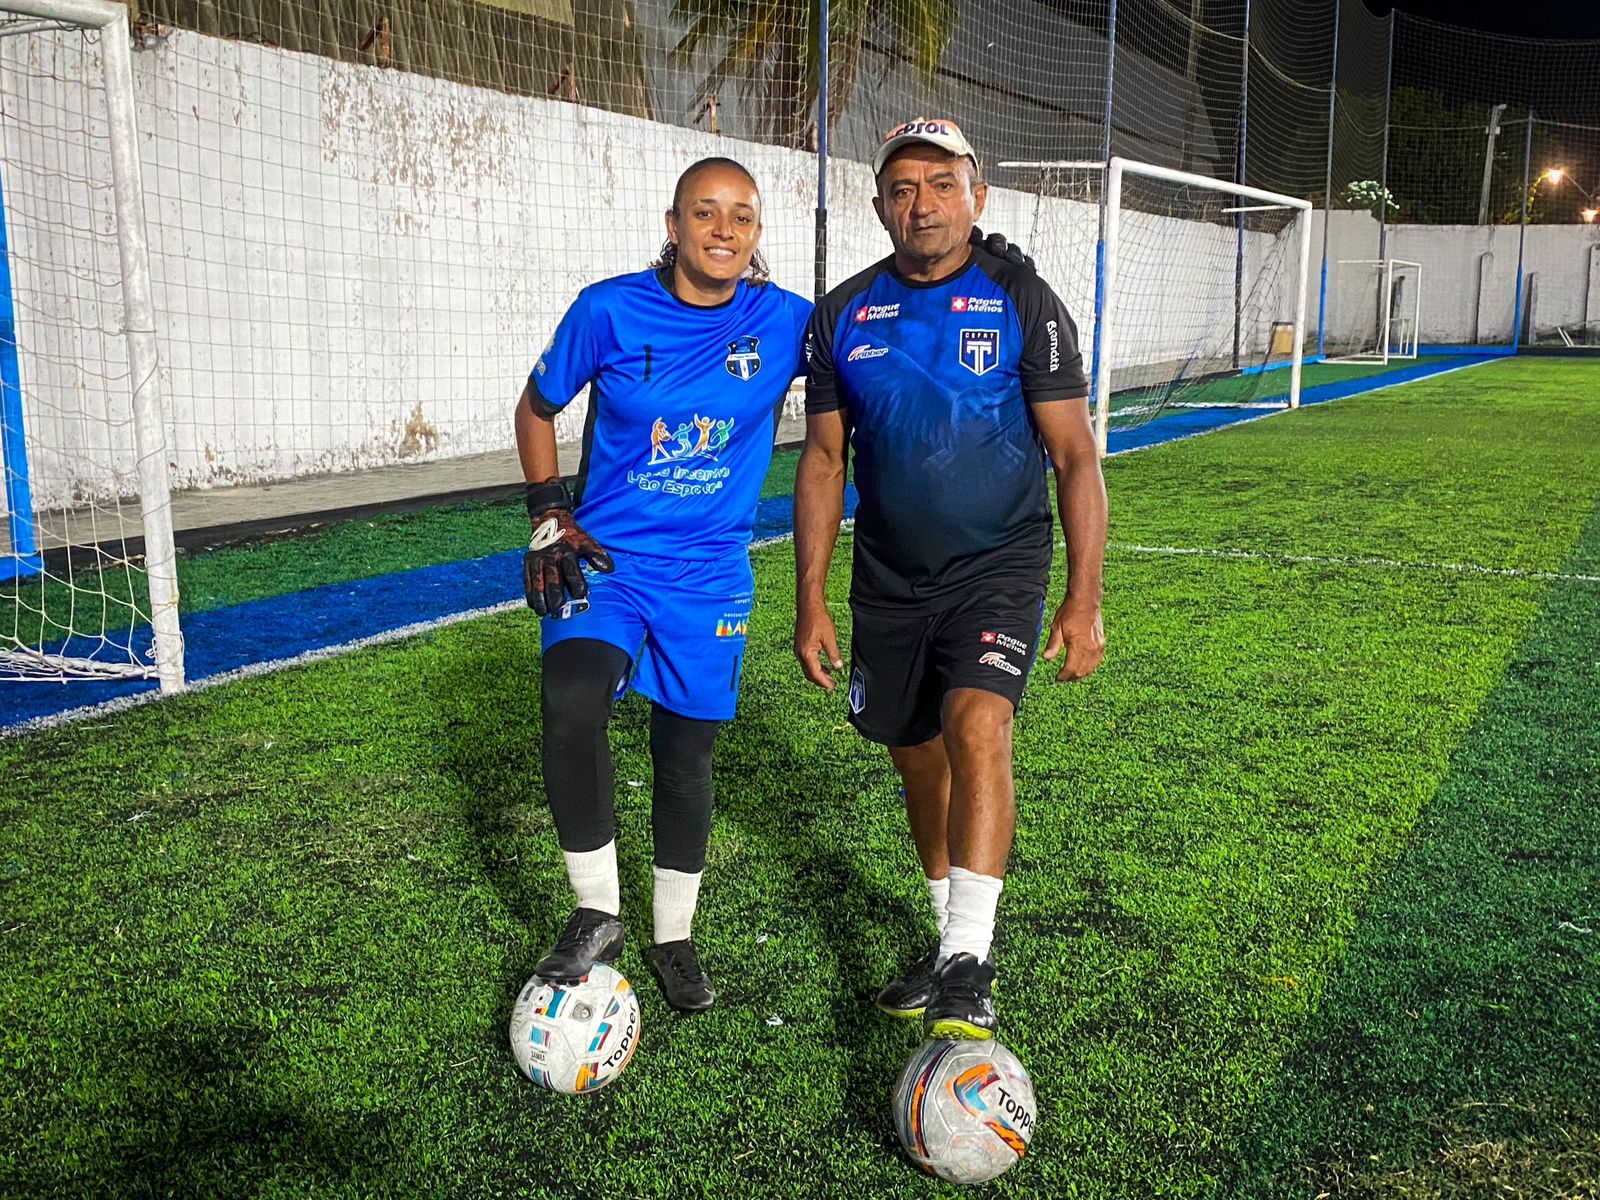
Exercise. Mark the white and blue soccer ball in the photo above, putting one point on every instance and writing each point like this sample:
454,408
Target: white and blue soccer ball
576,1038
964,1110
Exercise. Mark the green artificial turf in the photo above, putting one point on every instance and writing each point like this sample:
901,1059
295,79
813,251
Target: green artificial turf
264,940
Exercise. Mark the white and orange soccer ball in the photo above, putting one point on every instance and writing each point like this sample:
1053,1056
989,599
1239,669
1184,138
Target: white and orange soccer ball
575,1038
964,1111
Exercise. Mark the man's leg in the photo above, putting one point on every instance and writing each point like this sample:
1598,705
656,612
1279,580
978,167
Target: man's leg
982,818
983,813
925,775
579,685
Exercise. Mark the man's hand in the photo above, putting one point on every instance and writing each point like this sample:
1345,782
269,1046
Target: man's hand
552,569
816,635
1077,629
996,244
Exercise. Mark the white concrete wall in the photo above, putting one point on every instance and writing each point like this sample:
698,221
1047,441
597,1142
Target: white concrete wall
355,267
1466,297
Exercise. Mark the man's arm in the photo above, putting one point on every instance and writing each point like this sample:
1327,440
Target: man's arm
1076,627
818,510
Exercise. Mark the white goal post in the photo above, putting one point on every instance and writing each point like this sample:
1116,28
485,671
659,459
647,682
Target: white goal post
1375,309
80,361
1174,269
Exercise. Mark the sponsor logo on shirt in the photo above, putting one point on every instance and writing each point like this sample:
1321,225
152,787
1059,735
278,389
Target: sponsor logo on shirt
1055,344
743,361
990,638
977,304
700,437
877,312
980,350
736,627
866,352
995,659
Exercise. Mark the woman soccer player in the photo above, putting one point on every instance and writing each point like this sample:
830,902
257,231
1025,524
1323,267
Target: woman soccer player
688,363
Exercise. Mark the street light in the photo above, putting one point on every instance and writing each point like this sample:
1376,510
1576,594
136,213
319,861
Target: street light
1589,214
1560,174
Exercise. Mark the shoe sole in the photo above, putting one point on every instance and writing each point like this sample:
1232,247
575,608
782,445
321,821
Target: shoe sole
952,1029
901,1014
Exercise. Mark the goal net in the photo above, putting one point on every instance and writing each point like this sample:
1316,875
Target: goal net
1202,296
87,586
1374,310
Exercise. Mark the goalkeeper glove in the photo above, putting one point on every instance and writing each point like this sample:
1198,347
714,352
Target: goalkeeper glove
997,245
552,569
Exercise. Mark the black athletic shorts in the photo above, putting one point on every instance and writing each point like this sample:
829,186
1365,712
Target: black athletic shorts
901,665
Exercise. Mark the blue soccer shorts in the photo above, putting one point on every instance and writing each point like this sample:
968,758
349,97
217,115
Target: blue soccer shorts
682,623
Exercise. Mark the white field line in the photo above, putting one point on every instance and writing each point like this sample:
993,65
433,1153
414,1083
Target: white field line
1393,564
123,703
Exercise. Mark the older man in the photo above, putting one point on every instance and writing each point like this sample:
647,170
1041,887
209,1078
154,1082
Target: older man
951,372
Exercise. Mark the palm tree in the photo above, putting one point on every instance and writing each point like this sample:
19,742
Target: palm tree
770,48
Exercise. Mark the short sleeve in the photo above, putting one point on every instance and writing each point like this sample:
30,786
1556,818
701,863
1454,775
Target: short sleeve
1052,364
570,361
802,309
822,384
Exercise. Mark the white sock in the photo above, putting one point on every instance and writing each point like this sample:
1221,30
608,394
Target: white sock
939,893
593,875
676,894
969,928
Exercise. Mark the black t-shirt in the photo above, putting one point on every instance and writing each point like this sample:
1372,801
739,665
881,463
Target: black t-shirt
938,380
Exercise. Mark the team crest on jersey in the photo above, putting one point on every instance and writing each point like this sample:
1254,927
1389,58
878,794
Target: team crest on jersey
743,360
980,350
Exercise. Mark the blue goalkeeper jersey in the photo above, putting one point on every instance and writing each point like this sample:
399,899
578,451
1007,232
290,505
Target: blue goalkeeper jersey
937,381
683,406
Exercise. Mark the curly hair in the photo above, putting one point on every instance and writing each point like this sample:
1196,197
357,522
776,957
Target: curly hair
757,273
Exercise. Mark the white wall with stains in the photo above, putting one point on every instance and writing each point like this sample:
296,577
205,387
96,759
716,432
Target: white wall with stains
355,267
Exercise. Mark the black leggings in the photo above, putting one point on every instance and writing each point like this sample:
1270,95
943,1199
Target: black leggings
580,682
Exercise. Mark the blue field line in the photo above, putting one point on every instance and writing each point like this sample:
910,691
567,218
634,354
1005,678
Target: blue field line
1189,422
224,642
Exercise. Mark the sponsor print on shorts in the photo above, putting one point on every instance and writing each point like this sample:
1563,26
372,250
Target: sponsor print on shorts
1004,641
995,659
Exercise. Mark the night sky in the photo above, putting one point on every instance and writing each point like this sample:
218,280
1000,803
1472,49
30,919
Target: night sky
1567,19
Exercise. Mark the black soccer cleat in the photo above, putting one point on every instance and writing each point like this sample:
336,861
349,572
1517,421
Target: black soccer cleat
591,936
906,996
684,982
962,1005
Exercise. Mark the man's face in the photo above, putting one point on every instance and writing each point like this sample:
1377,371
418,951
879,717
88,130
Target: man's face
717,224
929,200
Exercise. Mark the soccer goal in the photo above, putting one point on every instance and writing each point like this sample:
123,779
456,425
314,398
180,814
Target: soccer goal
87,577
1374,310
1202,296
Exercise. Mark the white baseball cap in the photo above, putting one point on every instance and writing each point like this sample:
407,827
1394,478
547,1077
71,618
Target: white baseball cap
934,131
